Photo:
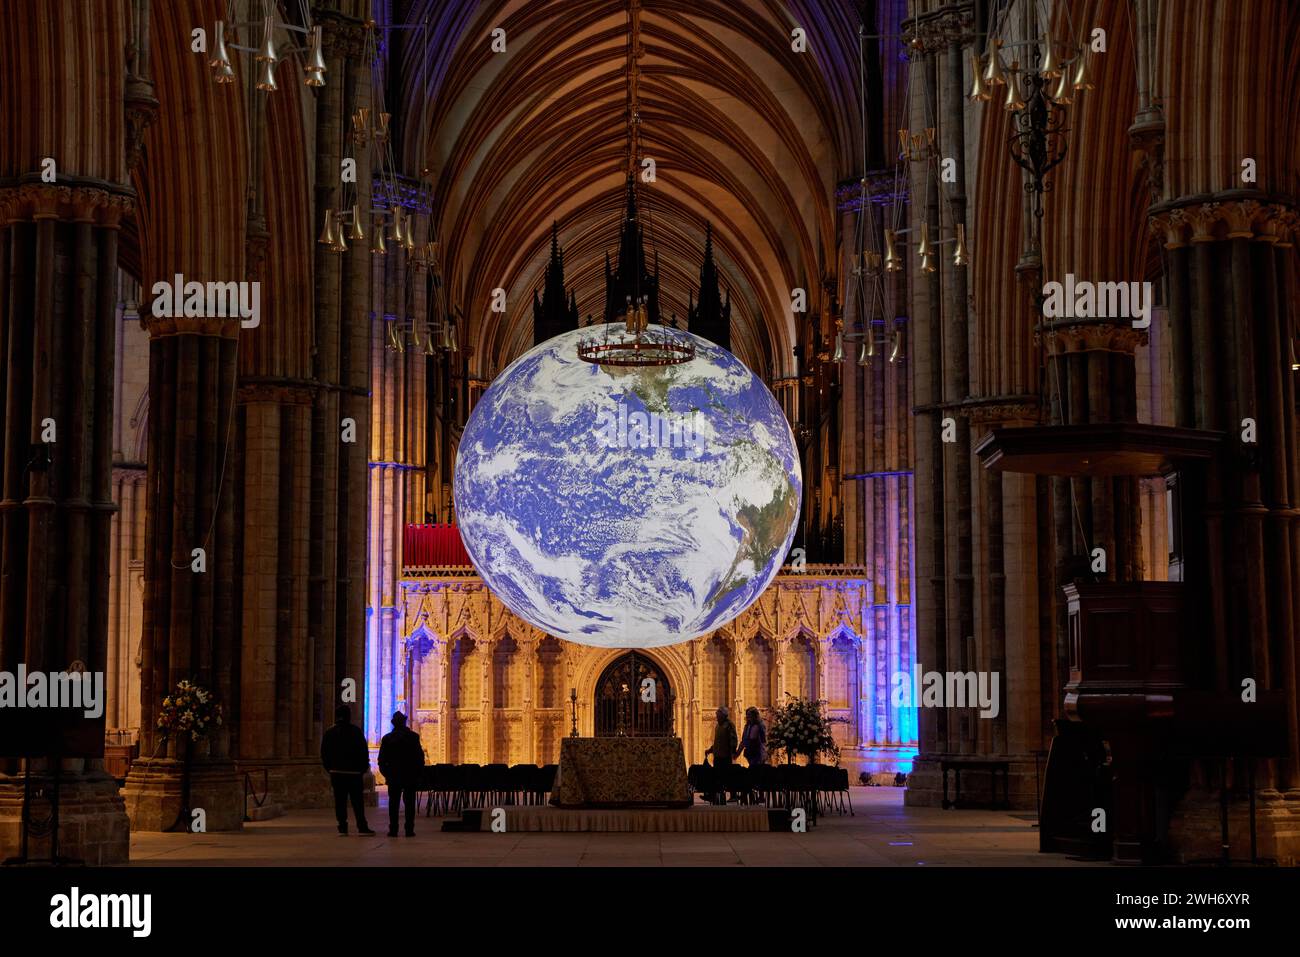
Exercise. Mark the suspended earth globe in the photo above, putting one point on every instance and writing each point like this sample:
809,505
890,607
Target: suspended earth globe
627,506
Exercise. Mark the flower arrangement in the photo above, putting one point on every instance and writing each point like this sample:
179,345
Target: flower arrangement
190,709
801,727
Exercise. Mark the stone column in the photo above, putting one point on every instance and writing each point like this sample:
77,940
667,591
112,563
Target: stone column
57,313
1242,536
694,716
941,324
341,371
486,648
737,675
188,621
529,716
865,687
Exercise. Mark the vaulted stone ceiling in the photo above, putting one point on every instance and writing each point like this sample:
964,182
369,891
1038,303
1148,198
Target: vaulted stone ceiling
745,133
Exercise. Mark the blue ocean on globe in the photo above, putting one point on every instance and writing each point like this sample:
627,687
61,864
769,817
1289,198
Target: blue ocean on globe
627,506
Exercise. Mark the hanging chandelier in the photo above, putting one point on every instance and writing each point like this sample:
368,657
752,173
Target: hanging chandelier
267,55
638,343
387,218
1037,96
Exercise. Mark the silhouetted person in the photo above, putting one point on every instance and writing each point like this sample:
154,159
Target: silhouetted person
401,759
753,740
724,746
344,753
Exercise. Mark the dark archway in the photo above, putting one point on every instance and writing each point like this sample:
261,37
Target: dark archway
634,699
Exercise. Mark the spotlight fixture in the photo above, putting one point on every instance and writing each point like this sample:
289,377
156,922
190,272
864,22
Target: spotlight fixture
1082,80
1013,102
266,53
224,72
959,256
892,262
314,71
327,233
993,73
923,247
361,125
896,350
1063,95
979,90
917,146
266,78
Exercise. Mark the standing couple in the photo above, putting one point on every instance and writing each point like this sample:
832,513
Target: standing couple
344,753
752,744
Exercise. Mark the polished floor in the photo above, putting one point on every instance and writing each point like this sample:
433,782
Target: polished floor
882,833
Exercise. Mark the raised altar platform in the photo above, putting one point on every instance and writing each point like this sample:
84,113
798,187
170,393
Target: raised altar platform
618,772
700,819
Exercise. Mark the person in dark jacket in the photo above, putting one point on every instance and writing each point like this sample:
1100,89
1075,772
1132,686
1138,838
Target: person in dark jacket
724,746
344,753
401,759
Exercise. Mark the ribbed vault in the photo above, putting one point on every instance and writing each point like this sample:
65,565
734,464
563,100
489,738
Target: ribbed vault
745,133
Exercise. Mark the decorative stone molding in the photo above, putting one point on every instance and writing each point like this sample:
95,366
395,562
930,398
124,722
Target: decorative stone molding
276,391
941,28
141,110
1003,410
1147,137
1090,335
341,35
1235,214
158,326
816,605
101,204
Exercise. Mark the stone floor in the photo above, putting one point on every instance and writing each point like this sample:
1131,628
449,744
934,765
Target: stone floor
883,833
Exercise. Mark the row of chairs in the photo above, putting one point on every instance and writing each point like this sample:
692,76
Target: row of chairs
452,788
817,786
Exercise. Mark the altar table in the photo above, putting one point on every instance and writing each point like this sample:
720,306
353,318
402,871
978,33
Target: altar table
621,772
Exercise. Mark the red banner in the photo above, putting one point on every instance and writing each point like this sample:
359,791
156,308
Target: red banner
424,545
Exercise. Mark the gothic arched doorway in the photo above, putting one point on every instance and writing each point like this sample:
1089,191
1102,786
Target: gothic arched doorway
634,699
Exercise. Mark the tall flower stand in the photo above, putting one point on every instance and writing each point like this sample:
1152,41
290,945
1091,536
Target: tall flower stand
183,816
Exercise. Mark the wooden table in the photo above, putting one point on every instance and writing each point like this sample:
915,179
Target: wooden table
621,772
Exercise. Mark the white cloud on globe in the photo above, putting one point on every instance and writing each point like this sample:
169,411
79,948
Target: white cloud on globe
627,507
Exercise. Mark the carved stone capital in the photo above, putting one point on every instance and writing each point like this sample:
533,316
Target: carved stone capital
141,110
1147,137
940,29
1224,216
341,35
158,326
1003,410
1091,335
72,202
1287,224
279,392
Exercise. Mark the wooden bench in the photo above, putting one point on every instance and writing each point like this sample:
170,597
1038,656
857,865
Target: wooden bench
958,765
